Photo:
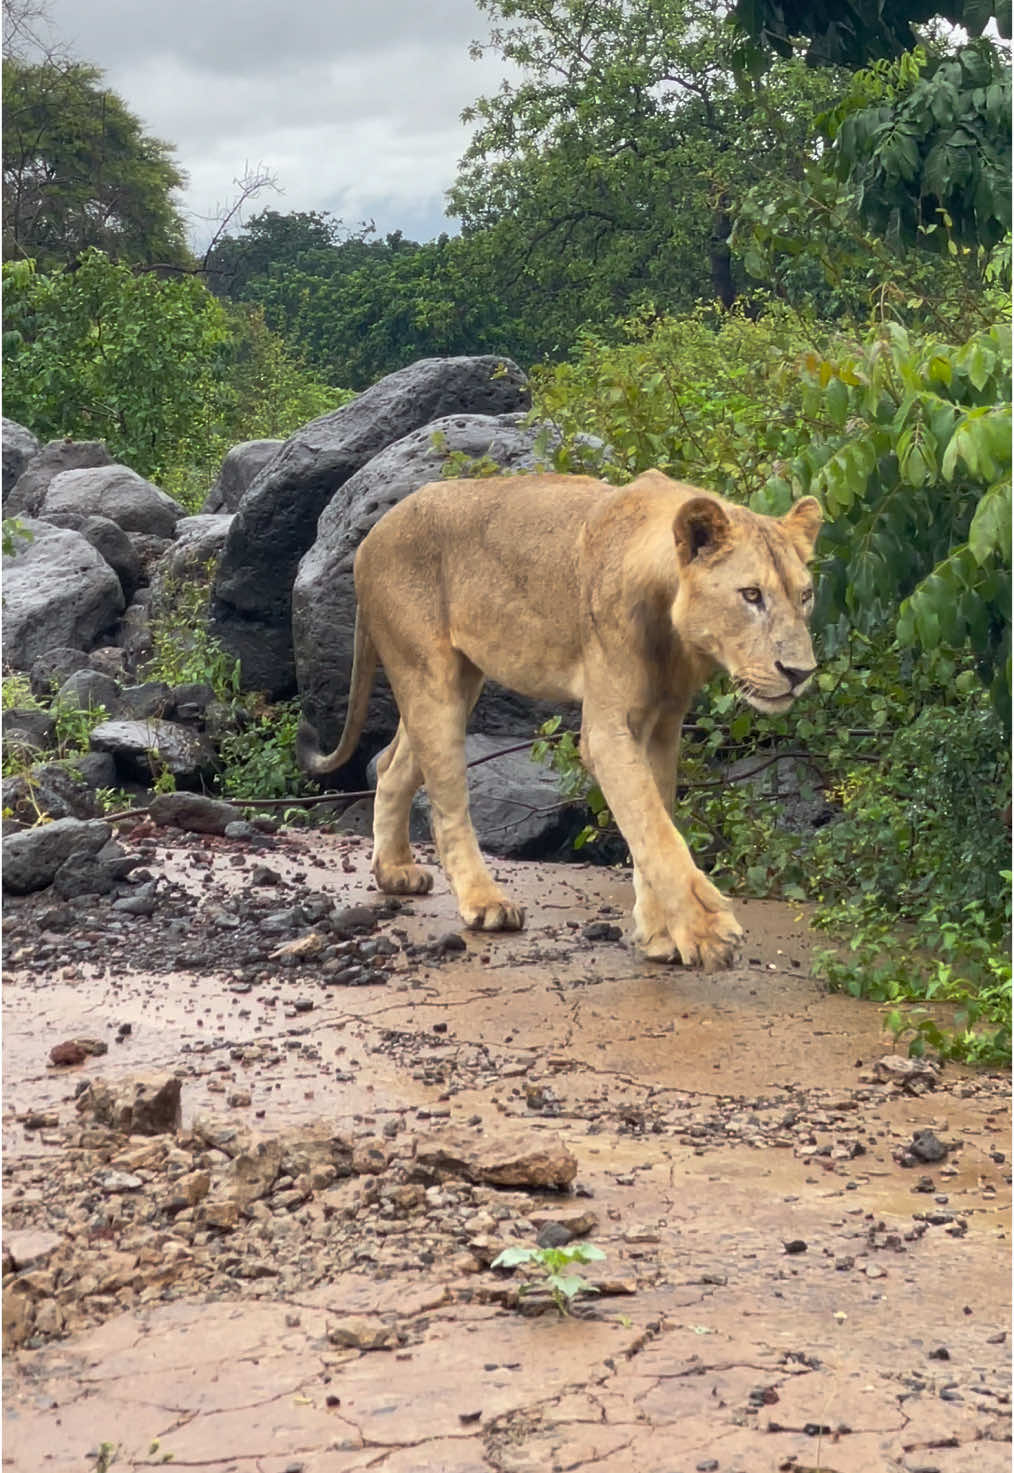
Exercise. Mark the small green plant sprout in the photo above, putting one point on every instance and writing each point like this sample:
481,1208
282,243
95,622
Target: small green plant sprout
554,1263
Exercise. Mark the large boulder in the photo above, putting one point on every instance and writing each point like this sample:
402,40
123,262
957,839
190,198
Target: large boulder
240,468
32,858
66,789
192,558
518,806
324,596
57,591
277,518
19,445
144,749
110,541
59,455
116,492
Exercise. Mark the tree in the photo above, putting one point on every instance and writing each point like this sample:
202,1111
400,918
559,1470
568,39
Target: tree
79,171
923,136
100,352
271,244
609,172
855,32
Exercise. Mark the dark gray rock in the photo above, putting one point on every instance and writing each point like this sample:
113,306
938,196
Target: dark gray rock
65,789
514,803
134,636
52,668
108,659
19,445
88,690
27,729
240,468
153,698
184,753
116,492
193,556
95,769
59,455
792,787
83,874
324,598
112,543
277,518
150,550
57,591
32,858
109,541
194,812
190,701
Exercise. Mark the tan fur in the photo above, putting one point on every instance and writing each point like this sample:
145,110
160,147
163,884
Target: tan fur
563,588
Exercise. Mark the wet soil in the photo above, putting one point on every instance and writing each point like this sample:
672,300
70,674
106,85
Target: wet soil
806,1251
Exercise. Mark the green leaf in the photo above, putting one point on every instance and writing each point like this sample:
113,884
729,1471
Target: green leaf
990,531
512,1257
836,398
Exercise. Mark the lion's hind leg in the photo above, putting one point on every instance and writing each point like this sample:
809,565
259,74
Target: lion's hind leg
399,776
434,717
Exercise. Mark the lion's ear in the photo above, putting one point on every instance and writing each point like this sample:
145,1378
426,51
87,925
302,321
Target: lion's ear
802,523
701,526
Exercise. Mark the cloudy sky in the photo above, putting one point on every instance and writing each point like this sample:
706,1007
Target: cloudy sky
354,106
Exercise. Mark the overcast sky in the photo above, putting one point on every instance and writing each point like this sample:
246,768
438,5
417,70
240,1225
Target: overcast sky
354,106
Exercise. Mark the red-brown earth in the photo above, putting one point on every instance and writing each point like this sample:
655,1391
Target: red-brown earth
297,1279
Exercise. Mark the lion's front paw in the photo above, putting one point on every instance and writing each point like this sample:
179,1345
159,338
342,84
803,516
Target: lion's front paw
708,939
402,879
499,915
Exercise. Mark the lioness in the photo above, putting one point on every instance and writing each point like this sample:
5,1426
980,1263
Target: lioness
564,588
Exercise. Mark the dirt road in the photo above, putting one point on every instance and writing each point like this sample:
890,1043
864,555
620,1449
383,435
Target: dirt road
807,1257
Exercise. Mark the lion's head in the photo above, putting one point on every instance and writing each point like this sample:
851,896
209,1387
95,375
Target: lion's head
745,595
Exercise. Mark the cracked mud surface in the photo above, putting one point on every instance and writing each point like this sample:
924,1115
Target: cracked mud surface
297,1280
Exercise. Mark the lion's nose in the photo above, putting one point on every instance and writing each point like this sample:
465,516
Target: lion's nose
794,676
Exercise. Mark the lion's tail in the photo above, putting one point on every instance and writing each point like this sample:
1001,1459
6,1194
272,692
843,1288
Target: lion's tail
364,665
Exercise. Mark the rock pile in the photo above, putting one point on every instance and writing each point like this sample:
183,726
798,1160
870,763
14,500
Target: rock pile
100,553
133,1210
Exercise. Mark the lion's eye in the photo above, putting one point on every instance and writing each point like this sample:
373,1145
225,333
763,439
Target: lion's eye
807,596
752,595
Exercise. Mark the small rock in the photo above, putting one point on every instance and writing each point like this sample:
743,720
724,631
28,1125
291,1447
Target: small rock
30,1249
145,1105
360,1333
370,1157
120,1181
554,1235
795,1245
353,920
927,1147
193,812
504,1161
66,1054
449,943
894,1069
602,931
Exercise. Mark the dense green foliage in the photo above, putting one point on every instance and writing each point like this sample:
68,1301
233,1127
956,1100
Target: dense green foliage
855,32
157,368
78,172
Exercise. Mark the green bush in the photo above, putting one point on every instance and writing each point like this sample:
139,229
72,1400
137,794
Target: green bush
713,398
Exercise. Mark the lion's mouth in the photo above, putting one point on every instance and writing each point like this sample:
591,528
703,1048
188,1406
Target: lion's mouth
767,705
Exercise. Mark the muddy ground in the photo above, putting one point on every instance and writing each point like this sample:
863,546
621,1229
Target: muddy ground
807,1251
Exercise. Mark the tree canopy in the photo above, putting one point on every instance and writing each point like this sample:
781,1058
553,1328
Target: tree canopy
607,174
853,33
79,171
